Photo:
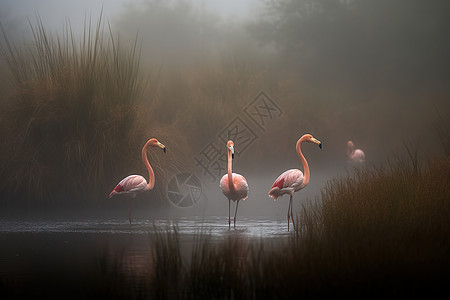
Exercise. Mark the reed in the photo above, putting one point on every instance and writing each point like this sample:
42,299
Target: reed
382,227
218,270
168,267
72,117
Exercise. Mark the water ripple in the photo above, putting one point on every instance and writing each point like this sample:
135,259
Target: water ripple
214,226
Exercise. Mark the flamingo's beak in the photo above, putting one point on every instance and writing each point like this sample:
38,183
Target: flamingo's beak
316,141
162,146
232,152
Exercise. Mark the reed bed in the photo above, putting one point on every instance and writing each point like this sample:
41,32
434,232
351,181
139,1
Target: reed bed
380,231
77,117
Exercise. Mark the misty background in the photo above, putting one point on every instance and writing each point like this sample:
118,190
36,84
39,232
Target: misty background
375,72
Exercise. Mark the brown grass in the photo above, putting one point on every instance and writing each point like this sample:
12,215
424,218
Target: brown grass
76,119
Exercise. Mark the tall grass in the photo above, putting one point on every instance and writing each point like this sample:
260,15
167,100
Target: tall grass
402,200
383,227
168,265
71,119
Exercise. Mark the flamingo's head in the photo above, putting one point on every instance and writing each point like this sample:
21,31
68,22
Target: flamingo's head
162,147
350,145
230,147
309,138
155,143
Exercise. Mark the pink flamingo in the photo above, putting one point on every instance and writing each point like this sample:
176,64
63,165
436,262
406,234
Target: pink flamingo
234,186
134,184
293,180
355,155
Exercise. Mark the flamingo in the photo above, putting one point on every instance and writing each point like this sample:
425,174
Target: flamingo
355,155
293,180
134,184
233,186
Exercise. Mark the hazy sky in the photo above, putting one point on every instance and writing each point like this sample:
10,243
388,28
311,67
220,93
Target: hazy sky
54,13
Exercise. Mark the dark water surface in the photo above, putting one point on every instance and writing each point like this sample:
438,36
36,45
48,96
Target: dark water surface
215,226
36,251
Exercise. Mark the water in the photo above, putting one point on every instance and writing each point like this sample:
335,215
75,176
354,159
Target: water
214,226
71,249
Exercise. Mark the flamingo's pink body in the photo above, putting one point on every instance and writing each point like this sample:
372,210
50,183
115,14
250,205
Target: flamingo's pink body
233,186
240,190
131,185
134,184
355,155
293,180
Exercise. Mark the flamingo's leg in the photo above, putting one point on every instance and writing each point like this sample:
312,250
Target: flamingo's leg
288,216
235,213
229,221
131,208
292,216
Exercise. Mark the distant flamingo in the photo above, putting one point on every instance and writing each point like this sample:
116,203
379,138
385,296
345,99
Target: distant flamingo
355,155
234,186
134,184
293,180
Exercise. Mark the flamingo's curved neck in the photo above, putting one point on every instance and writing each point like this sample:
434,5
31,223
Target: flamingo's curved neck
151,174
230,171
350,150
304,162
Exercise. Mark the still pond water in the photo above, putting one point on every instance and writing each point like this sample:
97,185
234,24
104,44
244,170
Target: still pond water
32,249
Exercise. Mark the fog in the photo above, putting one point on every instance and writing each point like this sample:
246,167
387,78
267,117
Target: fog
375,72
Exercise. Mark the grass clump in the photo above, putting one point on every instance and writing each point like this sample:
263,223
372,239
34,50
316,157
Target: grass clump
382,229
401,203
167,263
74,101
